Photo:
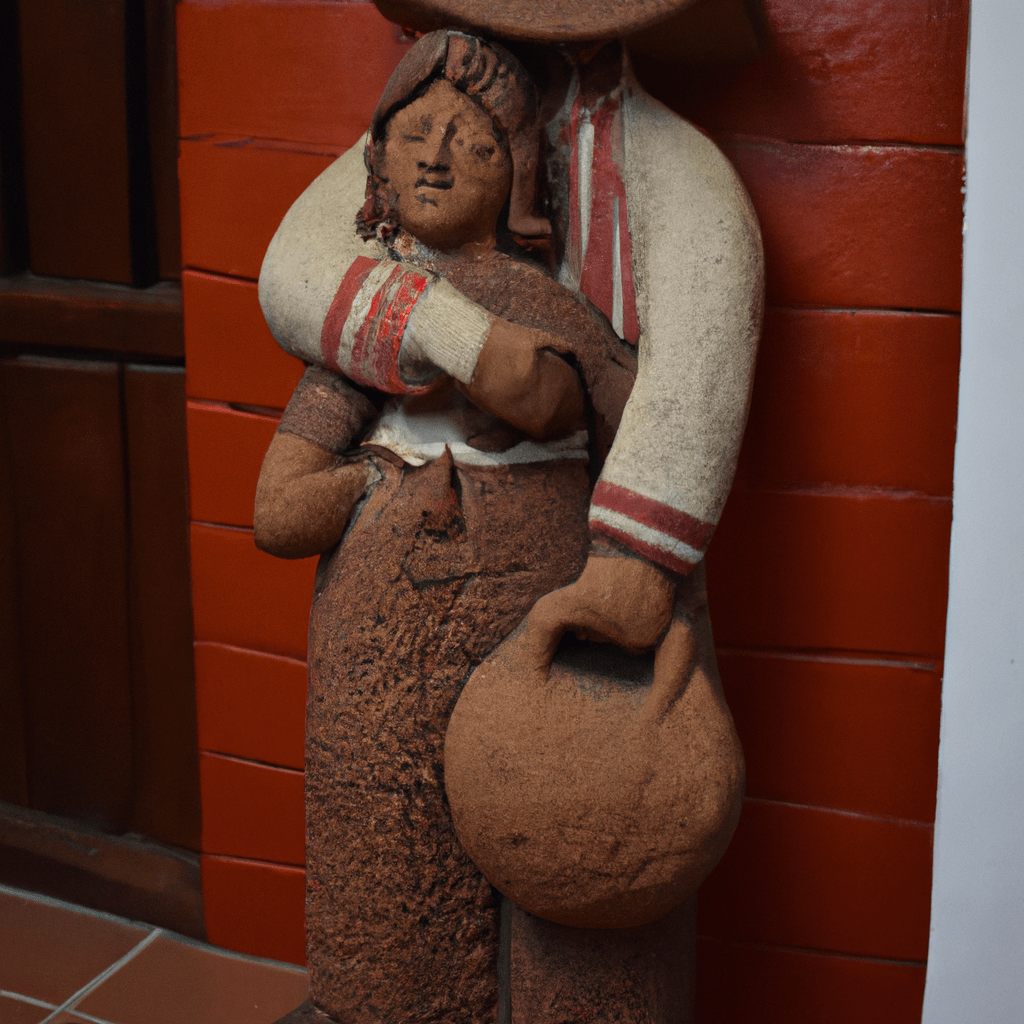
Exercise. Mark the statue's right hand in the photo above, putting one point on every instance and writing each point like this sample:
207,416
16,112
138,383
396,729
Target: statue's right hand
518,379
304,497
620,600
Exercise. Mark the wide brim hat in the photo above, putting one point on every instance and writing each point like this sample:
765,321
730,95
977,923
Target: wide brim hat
542,21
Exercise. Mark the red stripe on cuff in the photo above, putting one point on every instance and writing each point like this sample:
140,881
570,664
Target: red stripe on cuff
648,512
390,331
366,333
648,551
341,306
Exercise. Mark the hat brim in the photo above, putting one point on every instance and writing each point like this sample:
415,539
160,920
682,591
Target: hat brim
545,21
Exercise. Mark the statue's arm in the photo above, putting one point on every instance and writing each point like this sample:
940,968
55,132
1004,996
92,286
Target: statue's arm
330,298
697,247
307,488
699,274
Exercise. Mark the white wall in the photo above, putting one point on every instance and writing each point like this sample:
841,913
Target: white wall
976,958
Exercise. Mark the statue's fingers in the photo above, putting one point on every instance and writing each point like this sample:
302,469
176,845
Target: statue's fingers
676,656
549,619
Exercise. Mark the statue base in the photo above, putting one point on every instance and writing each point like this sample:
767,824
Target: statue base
642,975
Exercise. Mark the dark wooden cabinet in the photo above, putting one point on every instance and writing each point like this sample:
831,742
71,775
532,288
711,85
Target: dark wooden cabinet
97,696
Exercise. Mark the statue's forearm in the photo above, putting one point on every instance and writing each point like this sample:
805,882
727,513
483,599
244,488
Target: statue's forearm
304,498
305,492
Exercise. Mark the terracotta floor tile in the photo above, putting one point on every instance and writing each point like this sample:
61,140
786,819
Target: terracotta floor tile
174,982
14,1011
49,951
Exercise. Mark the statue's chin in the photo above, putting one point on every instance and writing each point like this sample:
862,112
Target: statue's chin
552,21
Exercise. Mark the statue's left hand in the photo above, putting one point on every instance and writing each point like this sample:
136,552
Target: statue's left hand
617,599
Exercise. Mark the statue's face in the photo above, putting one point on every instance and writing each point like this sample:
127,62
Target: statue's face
448,174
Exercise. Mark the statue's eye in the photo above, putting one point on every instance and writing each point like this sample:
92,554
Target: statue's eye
481,151
414,138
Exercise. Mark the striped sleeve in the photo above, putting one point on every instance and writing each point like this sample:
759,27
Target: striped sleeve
366,322
663,535
397,329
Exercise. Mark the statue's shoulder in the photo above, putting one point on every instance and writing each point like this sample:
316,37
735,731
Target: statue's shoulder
670,163
516,290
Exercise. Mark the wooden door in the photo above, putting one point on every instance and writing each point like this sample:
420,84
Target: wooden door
97,697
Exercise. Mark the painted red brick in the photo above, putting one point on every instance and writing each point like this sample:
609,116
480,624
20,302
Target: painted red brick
251,705
230,354
243,597
307,71
857,226
834,570
252,810
852,736
234,193
838,71
255,908
738,983
814,879
855,398
225,453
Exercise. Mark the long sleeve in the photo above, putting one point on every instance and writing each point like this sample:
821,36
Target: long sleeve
698,272
329,297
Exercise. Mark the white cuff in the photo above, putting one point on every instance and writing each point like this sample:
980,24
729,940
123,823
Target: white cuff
445,329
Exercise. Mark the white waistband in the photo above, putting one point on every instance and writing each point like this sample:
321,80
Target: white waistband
422,437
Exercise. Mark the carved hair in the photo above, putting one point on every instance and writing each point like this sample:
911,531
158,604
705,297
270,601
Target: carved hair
493,79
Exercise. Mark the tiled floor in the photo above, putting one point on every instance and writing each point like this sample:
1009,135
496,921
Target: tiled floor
61,964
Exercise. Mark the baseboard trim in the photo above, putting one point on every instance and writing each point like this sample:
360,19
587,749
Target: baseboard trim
129,875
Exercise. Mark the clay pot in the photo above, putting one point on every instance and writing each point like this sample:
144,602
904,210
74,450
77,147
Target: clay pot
601,792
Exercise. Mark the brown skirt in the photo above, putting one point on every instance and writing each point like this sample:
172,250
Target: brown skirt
441,563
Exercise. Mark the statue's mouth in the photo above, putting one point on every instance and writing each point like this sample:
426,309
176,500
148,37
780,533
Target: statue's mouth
442,183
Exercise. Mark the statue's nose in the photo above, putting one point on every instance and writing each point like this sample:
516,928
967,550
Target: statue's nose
439,153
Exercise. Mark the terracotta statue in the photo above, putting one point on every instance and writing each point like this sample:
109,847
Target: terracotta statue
461,407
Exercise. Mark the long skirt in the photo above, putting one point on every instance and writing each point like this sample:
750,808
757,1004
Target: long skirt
440,564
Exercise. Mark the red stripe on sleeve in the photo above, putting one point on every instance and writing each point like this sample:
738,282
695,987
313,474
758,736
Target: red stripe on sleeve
341,306
607,185
596,277
648,512
656,555
366,333
391,329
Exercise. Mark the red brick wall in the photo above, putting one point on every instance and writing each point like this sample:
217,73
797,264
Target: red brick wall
828,572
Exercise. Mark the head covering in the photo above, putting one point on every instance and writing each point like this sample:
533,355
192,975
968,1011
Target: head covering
541,21
490,76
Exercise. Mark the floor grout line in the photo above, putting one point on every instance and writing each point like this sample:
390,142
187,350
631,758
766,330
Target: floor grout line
17,996
75,908
104,975
180,939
